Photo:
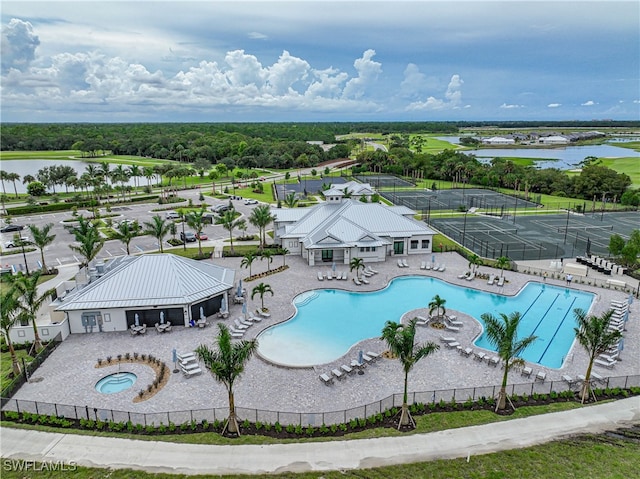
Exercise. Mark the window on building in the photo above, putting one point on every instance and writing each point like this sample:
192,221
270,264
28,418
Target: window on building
425,244
414,244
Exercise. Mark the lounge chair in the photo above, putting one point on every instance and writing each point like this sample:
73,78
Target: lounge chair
366,273
500,281
133,332
191,372
494,361
400,265
470,276
185,356
254,318
368,359
325,378
423,265
373,270
247,322
609,357
492,279
442,267
346,369
329,275
452,321
480,356
320,276
453,345
364,280
357,281
597,377
236,333
467,351
464,275
605,364
357,365
447,339
541,376
422,320
428,266
374,356
451,328
526,371
239,325
264,314
336,372
569,380
345,276
404,263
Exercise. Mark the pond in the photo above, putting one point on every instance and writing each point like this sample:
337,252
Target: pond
563,158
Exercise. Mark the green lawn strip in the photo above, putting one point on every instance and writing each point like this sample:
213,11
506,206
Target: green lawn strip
585,456
190,252
41,155
626,165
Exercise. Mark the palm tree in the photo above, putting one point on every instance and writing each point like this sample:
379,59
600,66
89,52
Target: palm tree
226,363
248,260
284,252
261,217
268,255
126,232
400,339
290,200
502,334
89,238
195,220
595,338
357,264
158,228
229,222
502,262
26,288
9,309
135,172
13,177
437,304
3,178
42,239
261,290
474,262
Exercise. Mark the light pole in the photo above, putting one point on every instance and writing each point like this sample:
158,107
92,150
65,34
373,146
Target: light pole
566,228
464,228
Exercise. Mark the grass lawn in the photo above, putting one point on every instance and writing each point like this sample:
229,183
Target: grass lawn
5,365
630,166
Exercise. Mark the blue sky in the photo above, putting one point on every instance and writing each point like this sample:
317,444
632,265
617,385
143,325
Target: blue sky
130,61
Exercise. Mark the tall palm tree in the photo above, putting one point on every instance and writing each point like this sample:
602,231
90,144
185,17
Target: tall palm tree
290,200
195,220
357,264
13,177
42,239
502,262
125,232
30,301
401,341
3,178
158,228
268,255
226,363
248,260
595,338
284,252
229,222
261,290
135,172
437,305
9,310
89,238
261,217
503,335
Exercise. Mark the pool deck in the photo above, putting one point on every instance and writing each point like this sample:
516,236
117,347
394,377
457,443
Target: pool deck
69,375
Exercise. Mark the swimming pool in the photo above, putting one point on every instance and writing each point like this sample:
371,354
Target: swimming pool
329,322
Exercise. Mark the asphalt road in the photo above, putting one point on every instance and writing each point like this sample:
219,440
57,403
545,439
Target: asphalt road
59,253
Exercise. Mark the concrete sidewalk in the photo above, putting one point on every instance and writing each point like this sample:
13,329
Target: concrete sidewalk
191,459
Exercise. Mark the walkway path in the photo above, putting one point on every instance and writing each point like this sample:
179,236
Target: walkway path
191,459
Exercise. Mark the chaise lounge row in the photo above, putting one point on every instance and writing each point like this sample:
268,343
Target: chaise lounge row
344,370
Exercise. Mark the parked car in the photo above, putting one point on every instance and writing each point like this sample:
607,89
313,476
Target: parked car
11,227
172,215
12,243
202,236
250,201
188,236
221,208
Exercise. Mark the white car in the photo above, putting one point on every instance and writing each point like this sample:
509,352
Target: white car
250,201
172,215
12,244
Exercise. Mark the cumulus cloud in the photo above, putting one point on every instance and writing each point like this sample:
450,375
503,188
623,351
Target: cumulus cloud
18,45
452,98
588,103
368,71
506,106
554,105
257,36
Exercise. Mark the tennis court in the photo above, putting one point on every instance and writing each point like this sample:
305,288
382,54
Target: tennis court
310,187
492,202
384,181
537,237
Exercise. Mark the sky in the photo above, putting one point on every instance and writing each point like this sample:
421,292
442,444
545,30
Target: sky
314,61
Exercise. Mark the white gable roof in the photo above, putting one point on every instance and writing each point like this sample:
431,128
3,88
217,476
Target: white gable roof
151,280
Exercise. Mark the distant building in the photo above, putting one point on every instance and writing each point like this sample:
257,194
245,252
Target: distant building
554,140
498,140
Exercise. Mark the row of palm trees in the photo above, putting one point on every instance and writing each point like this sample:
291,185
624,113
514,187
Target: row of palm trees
227,360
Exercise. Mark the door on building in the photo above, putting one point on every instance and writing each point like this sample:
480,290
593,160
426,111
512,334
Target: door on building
327,255
398,247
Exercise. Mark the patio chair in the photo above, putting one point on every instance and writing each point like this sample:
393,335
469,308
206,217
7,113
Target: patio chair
372,270
347,369
423,265
451,328
325,378
453,345
442,267
236,333
191,372
400,265
345,276
494,361
500,281
404,263
422,320
336,372
569,380
467,351
357,365
186,356
526,371
320,276
470,276
254,318
427,266
541,376
605,364
357,281
374,356
447,339
329,275
451,320
480,356
263,314
367,359
239,325
464,275
364,280
492,279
